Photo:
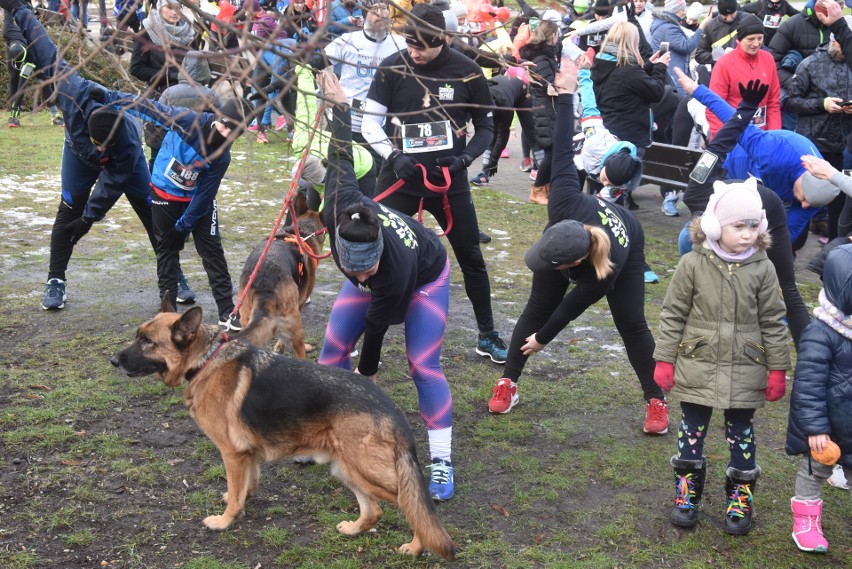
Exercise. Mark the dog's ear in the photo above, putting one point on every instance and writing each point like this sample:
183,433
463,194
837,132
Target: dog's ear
185,329
300,204
166,303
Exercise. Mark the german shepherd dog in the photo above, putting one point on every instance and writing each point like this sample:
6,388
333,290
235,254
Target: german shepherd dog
257,406
274,301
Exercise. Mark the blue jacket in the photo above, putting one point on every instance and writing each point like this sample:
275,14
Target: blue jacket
181,171
772,156
339,23
117,163
666,27
821,400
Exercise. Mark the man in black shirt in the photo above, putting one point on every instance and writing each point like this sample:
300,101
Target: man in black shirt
428,93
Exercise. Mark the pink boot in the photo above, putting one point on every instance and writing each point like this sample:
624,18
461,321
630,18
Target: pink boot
807,525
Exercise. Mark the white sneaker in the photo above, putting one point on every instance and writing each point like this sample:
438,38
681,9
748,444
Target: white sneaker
838,478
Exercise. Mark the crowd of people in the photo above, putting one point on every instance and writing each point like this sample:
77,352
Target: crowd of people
762,90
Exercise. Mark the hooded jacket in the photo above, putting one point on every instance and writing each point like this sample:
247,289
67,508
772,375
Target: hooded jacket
816,78
821,399
771,14
665,27
722,326
802,33
625,94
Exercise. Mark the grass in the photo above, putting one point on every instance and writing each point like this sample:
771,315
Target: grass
106,471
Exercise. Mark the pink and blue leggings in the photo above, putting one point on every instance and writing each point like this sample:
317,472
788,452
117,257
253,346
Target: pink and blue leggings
425,323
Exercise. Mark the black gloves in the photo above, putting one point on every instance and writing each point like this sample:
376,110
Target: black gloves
77,228
455,164
754,92
403,166
97,93
173,240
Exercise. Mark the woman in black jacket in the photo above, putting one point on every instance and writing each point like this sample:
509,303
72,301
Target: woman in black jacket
543,52
159,50
600,248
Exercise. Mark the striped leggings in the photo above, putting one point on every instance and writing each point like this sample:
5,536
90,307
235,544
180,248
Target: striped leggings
425,323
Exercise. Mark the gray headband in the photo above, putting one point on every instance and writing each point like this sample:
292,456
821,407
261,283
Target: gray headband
358,256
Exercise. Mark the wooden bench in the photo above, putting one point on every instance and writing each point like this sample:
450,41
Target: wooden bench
49,18
668,165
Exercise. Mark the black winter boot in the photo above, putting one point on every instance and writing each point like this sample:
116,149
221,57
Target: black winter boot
740,486
689,480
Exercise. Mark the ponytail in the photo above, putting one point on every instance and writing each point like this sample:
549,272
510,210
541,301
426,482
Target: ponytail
599,251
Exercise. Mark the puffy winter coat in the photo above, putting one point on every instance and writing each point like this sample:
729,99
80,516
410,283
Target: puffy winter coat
821,400
544,104
722,325
625,94
816,78
665,27
148,60
802,33
771,14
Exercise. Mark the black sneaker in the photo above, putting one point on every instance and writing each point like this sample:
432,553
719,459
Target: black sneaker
484,237
54,295
58,120
185,295
230,323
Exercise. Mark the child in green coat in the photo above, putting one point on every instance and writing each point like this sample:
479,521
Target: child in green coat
722,344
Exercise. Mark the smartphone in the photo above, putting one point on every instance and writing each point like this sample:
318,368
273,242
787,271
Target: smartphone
703,167
820,8
664,47
846,103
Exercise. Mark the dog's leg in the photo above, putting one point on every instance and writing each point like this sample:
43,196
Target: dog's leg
371,513
239,469
414,547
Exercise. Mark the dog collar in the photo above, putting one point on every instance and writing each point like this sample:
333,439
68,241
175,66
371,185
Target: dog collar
211,353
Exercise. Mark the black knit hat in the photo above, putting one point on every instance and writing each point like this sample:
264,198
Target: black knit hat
234,113
602,7
749,26
727,7
420,36
621,168
103,125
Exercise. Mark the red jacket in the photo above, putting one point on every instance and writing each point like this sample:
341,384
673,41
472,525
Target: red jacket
737,67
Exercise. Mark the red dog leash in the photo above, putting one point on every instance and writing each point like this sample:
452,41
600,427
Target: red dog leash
432,188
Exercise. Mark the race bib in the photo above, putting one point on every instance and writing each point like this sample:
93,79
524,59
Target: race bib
771,20
759,119
426,137
181,176
595,40
357,114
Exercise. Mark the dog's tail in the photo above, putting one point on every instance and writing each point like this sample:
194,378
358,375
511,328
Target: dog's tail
419,510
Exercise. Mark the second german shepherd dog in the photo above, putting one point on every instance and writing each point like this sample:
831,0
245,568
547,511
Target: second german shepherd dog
284,282
257,406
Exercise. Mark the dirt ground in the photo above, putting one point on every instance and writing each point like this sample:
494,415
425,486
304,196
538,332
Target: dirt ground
30,484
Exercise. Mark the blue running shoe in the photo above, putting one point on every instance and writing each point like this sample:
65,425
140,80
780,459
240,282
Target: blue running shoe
441,483
651,277
492,346
54,295
185,295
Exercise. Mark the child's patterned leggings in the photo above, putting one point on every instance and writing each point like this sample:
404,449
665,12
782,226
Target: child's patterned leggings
425,322
739,432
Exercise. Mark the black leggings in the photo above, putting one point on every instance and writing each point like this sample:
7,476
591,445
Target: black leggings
626,302
502,130
464,239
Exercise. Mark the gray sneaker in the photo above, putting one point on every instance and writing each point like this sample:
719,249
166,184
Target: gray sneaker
54,295
185,295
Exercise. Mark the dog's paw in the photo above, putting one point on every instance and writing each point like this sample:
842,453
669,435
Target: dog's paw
309,348
349,528
218,523
225,497
410,549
